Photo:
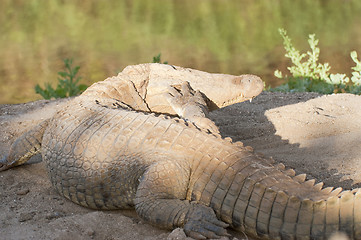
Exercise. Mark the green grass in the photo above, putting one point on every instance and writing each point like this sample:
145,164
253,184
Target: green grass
235,36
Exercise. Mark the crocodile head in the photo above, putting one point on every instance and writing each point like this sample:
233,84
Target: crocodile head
223,90
220,89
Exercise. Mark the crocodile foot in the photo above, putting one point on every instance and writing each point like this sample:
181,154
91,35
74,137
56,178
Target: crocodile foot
202,223
191,105
3,164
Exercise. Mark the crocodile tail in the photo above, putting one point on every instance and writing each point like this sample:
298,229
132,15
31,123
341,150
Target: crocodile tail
26,146
277,215
265,200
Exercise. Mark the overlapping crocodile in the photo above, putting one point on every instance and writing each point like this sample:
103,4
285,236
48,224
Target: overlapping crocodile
119,145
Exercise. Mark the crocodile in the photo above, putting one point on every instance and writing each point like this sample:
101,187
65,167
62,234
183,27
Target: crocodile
135,142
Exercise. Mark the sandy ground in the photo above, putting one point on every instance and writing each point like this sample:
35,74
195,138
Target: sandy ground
317,135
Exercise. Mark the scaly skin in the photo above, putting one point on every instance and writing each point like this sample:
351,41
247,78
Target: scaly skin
102,154
163,167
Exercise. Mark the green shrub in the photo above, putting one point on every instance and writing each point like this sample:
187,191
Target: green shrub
310,76
67,83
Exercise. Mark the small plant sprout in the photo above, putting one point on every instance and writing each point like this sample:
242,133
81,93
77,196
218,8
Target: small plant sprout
157,59
67,83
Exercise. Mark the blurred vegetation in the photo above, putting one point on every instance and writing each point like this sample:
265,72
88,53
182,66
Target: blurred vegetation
234,36
308,75
68,83
157,59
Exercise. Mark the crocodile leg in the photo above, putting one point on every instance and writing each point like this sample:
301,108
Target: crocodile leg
26,146
191,105
160,200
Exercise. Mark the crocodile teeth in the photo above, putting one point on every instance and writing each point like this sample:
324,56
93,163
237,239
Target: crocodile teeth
234,100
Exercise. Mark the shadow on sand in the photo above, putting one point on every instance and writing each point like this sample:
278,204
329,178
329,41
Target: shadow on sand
321,159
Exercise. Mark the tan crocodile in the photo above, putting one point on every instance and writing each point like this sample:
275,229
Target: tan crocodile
113,147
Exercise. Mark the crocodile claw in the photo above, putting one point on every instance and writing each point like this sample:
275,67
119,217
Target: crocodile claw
202,223
3,163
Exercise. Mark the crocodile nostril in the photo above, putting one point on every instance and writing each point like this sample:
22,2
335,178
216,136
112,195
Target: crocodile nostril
237,80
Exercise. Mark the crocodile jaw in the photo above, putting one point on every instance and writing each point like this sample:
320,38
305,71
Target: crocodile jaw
241,88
